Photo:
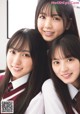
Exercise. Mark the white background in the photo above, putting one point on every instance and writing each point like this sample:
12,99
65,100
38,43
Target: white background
21,15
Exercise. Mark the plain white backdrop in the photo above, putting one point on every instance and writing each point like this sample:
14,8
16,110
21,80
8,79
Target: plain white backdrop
21,14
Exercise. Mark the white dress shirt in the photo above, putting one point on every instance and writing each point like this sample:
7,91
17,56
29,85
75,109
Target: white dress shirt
20,81
36,105
52,102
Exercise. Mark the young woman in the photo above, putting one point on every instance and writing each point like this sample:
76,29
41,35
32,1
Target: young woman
52,19
27,69
59,92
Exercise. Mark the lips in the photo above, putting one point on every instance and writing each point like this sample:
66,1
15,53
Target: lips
17,68
68,75
48,33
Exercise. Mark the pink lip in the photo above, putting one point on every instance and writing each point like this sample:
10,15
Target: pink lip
17,68
47,33
67,75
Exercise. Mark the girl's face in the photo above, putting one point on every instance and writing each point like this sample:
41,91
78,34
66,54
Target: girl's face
50,26
66,69
19,62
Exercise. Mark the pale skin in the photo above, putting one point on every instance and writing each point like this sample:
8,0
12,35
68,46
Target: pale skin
66,69
50,26
19,63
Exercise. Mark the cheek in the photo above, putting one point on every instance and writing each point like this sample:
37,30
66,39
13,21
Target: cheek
59,26
76,69
27,63
60,29
39,23
9,59
77,64
54,69
9,62
30,64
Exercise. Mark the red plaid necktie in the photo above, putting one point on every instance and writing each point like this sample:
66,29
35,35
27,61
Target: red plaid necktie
76,102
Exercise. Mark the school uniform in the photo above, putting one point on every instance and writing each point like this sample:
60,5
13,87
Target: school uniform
19,85
52,102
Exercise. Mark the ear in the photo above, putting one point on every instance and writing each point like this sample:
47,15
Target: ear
69,24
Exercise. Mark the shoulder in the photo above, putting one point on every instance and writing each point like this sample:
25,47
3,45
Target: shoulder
50,98
37,98
48,88
39,105
47,84
1,76
49,81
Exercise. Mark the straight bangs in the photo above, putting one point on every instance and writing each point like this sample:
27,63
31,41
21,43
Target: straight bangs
69,46
61,10
18,42
47,8
70,51
65,52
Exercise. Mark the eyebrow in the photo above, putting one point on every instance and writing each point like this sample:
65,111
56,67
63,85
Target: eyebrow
54,59
42,13
21,50
61,58
55,15
46,14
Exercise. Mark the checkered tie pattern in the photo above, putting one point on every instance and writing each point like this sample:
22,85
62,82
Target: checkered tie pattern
76,102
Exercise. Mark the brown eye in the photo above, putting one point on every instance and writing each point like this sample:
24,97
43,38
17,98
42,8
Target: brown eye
41,16
55,62
57,18
26,55
70,59
12,51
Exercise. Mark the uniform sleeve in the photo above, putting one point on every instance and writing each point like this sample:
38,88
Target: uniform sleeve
36,105
51,101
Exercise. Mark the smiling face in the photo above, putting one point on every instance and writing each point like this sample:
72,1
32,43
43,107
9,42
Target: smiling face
19,62
66,69
50,25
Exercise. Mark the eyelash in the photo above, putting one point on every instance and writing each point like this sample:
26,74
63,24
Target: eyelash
54,17
12,51
55,62
70,59
24,54
42,16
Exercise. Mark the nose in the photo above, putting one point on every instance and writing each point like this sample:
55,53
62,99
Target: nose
17,60
64,67
48,23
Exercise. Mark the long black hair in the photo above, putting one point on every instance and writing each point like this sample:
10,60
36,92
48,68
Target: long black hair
66,12
70,46
40,70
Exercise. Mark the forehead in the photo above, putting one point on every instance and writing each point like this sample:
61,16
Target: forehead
19,44
49,9
58,53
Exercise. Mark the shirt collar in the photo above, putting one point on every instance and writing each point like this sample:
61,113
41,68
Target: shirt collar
20,81
73,90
